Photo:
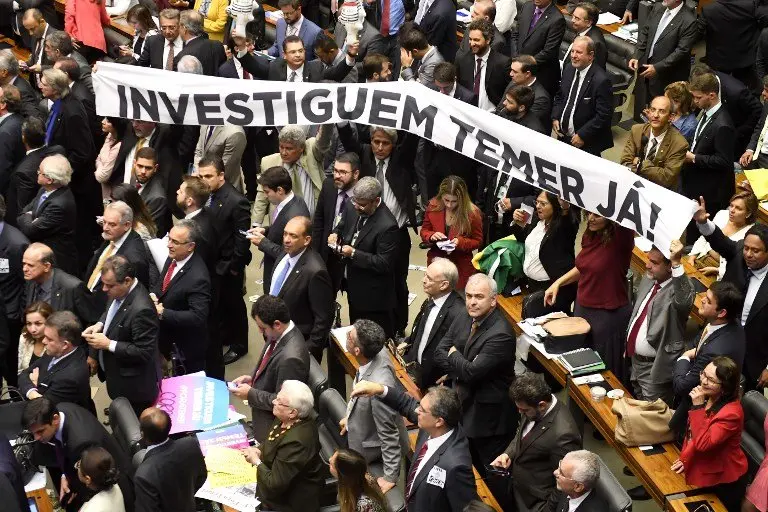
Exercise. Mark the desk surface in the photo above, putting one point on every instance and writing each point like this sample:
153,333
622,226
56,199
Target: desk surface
19,53
679,504
118,22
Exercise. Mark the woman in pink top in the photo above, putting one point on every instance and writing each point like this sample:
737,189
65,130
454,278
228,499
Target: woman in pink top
84,21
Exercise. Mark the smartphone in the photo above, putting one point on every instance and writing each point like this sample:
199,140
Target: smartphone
231,385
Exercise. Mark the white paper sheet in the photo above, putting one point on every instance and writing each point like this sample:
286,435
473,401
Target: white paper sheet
607,18
341,336
159,249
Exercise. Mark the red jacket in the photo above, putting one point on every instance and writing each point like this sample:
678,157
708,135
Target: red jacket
434,221
711,451
84,20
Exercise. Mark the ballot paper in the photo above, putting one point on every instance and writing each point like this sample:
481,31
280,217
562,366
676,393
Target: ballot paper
528,209
340,333
446,245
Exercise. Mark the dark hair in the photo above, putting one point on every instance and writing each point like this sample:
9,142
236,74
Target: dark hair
729,298
445,404
193,230
292,39
120,266
351,158
60,40
373,63
678,91
12,98
478,506
445,72
147,153
197,188
70,67
761,231
729,375
155,425
98,464
591,9
370,337
129,195
528,64
605,234
212,160
121,125
270,309
39,306
353,483
750,202
484,26
39,411
523,95
33,132
530,389
142,15
67,326
325,43
414,39
276,177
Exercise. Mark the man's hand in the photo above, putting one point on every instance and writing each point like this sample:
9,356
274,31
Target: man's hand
98,341
159,307
556,127
627,18
333,239
577,141
452,350
649,72
347,251
353,49
635,161
125,51
33,394
93,365
406,58
632,64
763,380
93,329
697,396
502,461
689,157
35,68
675,252
256,235
701,215
343,426
518,216
442,380
710,271
241,391
33,376
243,379
366,388
746,158
384,484
64,489
689,353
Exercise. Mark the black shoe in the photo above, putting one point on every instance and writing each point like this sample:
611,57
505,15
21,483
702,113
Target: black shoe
627,471
232,355
639,493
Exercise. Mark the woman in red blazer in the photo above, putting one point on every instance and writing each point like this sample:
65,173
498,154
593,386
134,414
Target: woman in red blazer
451,216
711,455
84,21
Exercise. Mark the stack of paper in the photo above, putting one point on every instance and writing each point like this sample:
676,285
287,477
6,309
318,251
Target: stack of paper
227,467
607,18
582,361
233,436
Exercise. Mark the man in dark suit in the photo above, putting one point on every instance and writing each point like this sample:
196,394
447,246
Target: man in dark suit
119,238
9,75
523,70
663,51
436,315
230,211
708,168
445,83
51,217
437,19
172,470
540,30
196,43
190,199
11,145
160,50
576,476
518,101
79,89
183,299
761,61
61,374
301,280
124,341
11,479
584,21
755,155
366,238
483,70
276,184
583,107
441,475
546,434
35,30
485,10
62,432
722,336
370,41
292,23
285,357
150,185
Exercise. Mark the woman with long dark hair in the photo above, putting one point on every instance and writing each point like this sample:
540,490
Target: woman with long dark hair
144,25
31,346
143,223
355,491
115,128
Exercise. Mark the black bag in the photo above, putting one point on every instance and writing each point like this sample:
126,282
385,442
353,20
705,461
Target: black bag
565,334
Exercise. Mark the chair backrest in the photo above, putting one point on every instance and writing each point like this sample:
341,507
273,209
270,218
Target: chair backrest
125,425
612,491
755,407
317,380
332,409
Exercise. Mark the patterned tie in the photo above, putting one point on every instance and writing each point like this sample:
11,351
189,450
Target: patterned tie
307,189
209,201
478,74
380,173
99,264
277,284
652,151
168,275
535,19
293,77
169,60
414,467
264,361
632,338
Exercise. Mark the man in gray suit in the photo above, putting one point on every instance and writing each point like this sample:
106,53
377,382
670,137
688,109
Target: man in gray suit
370,40
656,332
414,47
228,143
373,428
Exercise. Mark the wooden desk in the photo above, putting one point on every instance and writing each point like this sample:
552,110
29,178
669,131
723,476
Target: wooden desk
19,53
678,505
37,490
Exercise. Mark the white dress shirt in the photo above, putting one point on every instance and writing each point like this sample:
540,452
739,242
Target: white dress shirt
389,198
530,424
482,100
582,75
430,322
432,446
642,347
299,74
532,266
575,503
178,45
180,264
294,28
118,244
282,204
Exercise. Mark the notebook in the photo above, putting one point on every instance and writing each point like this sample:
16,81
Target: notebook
581,361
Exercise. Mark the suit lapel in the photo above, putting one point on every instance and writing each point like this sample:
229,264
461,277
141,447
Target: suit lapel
295,272
538,430
121,312
275,352
431,462
544,16
375,363
367,226
670,26
584,86
179,275
761,299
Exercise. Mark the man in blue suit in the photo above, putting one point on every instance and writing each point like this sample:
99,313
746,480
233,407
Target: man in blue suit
294,24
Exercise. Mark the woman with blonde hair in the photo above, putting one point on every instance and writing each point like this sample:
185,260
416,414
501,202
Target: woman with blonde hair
682,116
356,492
31,346
453,227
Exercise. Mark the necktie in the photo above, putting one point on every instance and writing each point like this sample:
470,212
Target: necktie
138,186
703,337
663,22
478,73
307,189
385,25
566,119
652,149
171,56
168,275
535,19
530,430
264,361
209,201
99,264
699,129
293,77
290,30
380,173
275,212
246,75
472,332
43,197
51,363
277,284
208,135
420,330
414,467
632,338
343,196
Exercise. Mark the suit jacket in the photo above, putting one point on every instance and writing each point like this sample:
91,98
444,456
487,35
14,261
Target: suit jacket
53,223
711,175
664,167
47,8
66,381
227,142
277,70
289,361
482,370
425,73
82,430
592,110
68,293
496,74
601,52
451,461
135,251
761,61
500,43
291,473
186,304
374,429
80,90
154,196
210,54
30,103
743,107
12,149
23,185
730,29
370,274
308,293
152,53
542,102
530,121
465,95
439,25
169,476
13,243
230,211
132,369
207,246
592,502
755,138
308,33
72,132
324,219
11,478
556,251
272,244
453,307
536,455
370,40
542,42
725,341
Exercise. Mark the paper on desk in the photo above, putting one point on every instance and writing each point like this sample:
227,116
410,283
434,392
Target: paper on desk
607,18
159,249
242,498
758,178
532,342
340,334
227,467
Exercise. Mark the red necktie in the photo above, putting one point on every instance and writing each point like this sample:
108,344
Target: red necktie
632,339
384,18
478,74
169,275
246,75
264,361
414,467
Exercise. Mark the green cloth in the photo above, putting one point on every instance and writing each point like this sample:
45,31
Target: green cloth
502,260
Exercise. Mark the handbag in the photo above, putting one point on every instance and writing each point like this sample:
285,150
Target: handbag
642,422
565,334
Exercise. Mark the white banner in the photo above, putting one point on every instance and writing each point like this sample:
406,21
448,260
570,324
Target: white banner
590,182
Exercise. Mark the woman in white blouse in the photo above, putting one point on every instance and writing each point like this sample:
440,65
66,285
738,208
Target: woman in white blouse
97,470
144,25
31,346
734,222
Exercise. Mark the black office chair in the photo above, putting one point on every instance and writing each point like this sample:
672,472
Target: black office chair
332,408
611,491
755,407
125,425
317,381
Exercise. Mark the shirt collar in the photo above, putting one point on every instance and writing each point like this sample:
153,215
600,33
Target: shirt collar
660,137
57,360
153,446
291,325
676,10
296,25
180,264
714,109
48,283
760,272
34,149
441,300
299,72
441,439
292,260
484,57
584,32
285,201
361,371
7,114
584,72
120,241
193,214
578,501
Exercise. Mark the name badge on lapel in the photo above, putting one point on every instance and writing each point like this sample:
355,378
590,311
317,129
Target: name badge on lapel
436,477
5,267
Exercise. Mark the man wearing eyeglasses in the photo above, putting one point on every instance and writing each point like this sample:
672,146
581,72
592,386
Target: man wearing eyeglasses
576,476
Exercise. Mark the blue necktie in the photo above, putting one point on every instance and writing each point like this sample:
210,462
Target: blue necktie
51,363
277,284
42,199
107,321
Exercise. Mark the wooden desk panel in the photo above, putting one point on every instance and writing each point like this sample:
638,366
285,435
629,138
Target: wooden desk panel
19,53
679,504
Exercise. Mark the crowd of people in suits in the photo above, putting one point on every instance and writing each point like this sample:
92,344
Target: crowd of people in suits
124,246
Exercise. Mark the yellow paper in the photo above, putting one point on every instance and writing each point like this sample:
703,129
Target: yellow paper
227,467
232,480
758,178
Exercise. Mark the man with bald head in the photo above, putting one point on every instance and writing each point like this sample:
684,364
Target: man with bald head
656,150
302,281
486,9
172,470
